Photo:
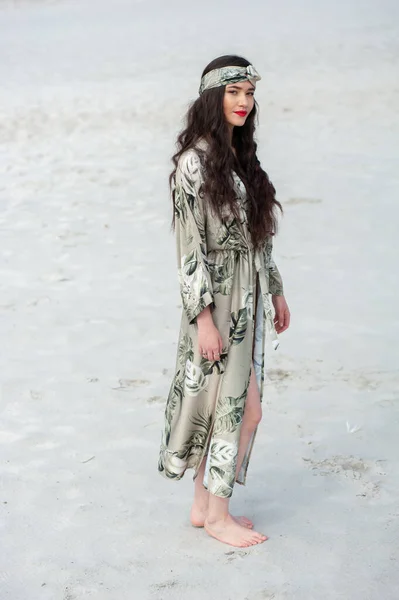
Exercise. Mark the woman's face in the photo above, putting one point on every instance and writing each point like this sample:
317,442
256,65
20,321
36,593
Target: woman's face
238,101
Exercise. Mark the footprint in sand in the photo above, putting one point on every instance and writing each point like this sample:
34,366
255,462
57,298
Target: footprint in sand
349,466
166,585
69,594
156,400
125,384
280,378
281,594
369,490
353,468
393,518
234,554
367,380
9,306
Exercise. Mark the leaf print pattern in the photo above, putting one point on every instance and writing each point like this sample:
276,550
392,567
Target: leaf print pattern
229,236
193,447
198,217
239,326
219,268
194,286
275,281
268,252
174,400
180,207
190,263
195,380
229,413
248,302
206,366
216,366
185,351
195,281
223,275
223,452
176,465
223,467
219,485
202,421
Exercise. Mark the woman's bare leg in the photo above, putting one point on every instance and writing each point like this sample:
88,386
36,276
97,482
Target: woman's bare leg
199,509
222,526
251,419
219,523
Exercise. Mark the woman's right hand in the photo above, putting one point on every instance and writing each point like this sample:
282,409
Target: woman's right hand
209,339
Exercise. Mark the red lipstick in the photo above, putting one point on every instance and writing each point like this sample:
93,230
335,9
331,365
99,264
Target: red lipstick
241,113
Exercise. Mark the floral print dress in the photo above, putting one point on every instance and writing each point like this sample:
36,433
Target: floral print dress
217,266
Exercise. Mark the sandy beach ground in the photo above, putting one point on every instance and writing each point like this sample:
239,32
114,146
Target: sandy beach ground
92,94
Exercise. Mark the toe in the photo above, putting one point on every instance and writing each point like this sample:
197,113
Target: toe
258,538
253,542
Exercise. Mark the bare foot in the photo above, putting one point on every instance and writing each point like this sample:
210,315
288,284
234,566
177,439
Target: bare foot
230,532
198,517
243,521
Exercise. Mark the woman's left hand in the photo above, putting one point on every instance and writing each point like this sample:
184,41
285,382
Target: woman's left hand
282,316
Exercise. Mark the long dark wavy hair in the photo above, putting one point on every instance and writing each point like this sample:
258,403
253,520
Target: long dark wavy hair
205,119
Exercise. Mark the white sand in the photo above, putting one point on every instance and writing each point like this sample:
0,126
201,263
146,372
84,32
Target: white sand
90,101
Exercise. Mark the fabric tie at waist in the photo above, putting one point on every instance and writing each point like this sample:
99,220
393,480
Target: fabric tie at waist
264,288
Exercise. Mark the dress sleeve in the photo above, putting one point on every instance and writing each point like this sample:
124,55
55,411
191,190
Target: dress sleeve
275,280
195,282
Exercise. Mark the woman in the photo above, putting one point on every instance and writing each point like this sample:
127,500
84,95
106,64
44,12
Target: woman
225,217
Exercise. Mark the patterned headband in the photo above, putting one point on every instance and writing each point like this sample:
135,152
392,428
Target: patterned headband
228,75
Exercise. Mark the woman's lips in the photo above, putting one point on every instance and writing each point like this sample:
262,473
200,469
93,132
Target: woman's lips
241,113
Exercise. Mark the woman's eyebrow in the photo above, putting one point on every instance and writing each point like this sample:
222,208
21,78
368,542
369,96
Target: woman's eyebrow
237,87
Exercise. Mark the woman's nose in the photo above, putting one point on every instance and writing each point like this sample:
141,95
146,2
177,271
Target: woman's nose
243,101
